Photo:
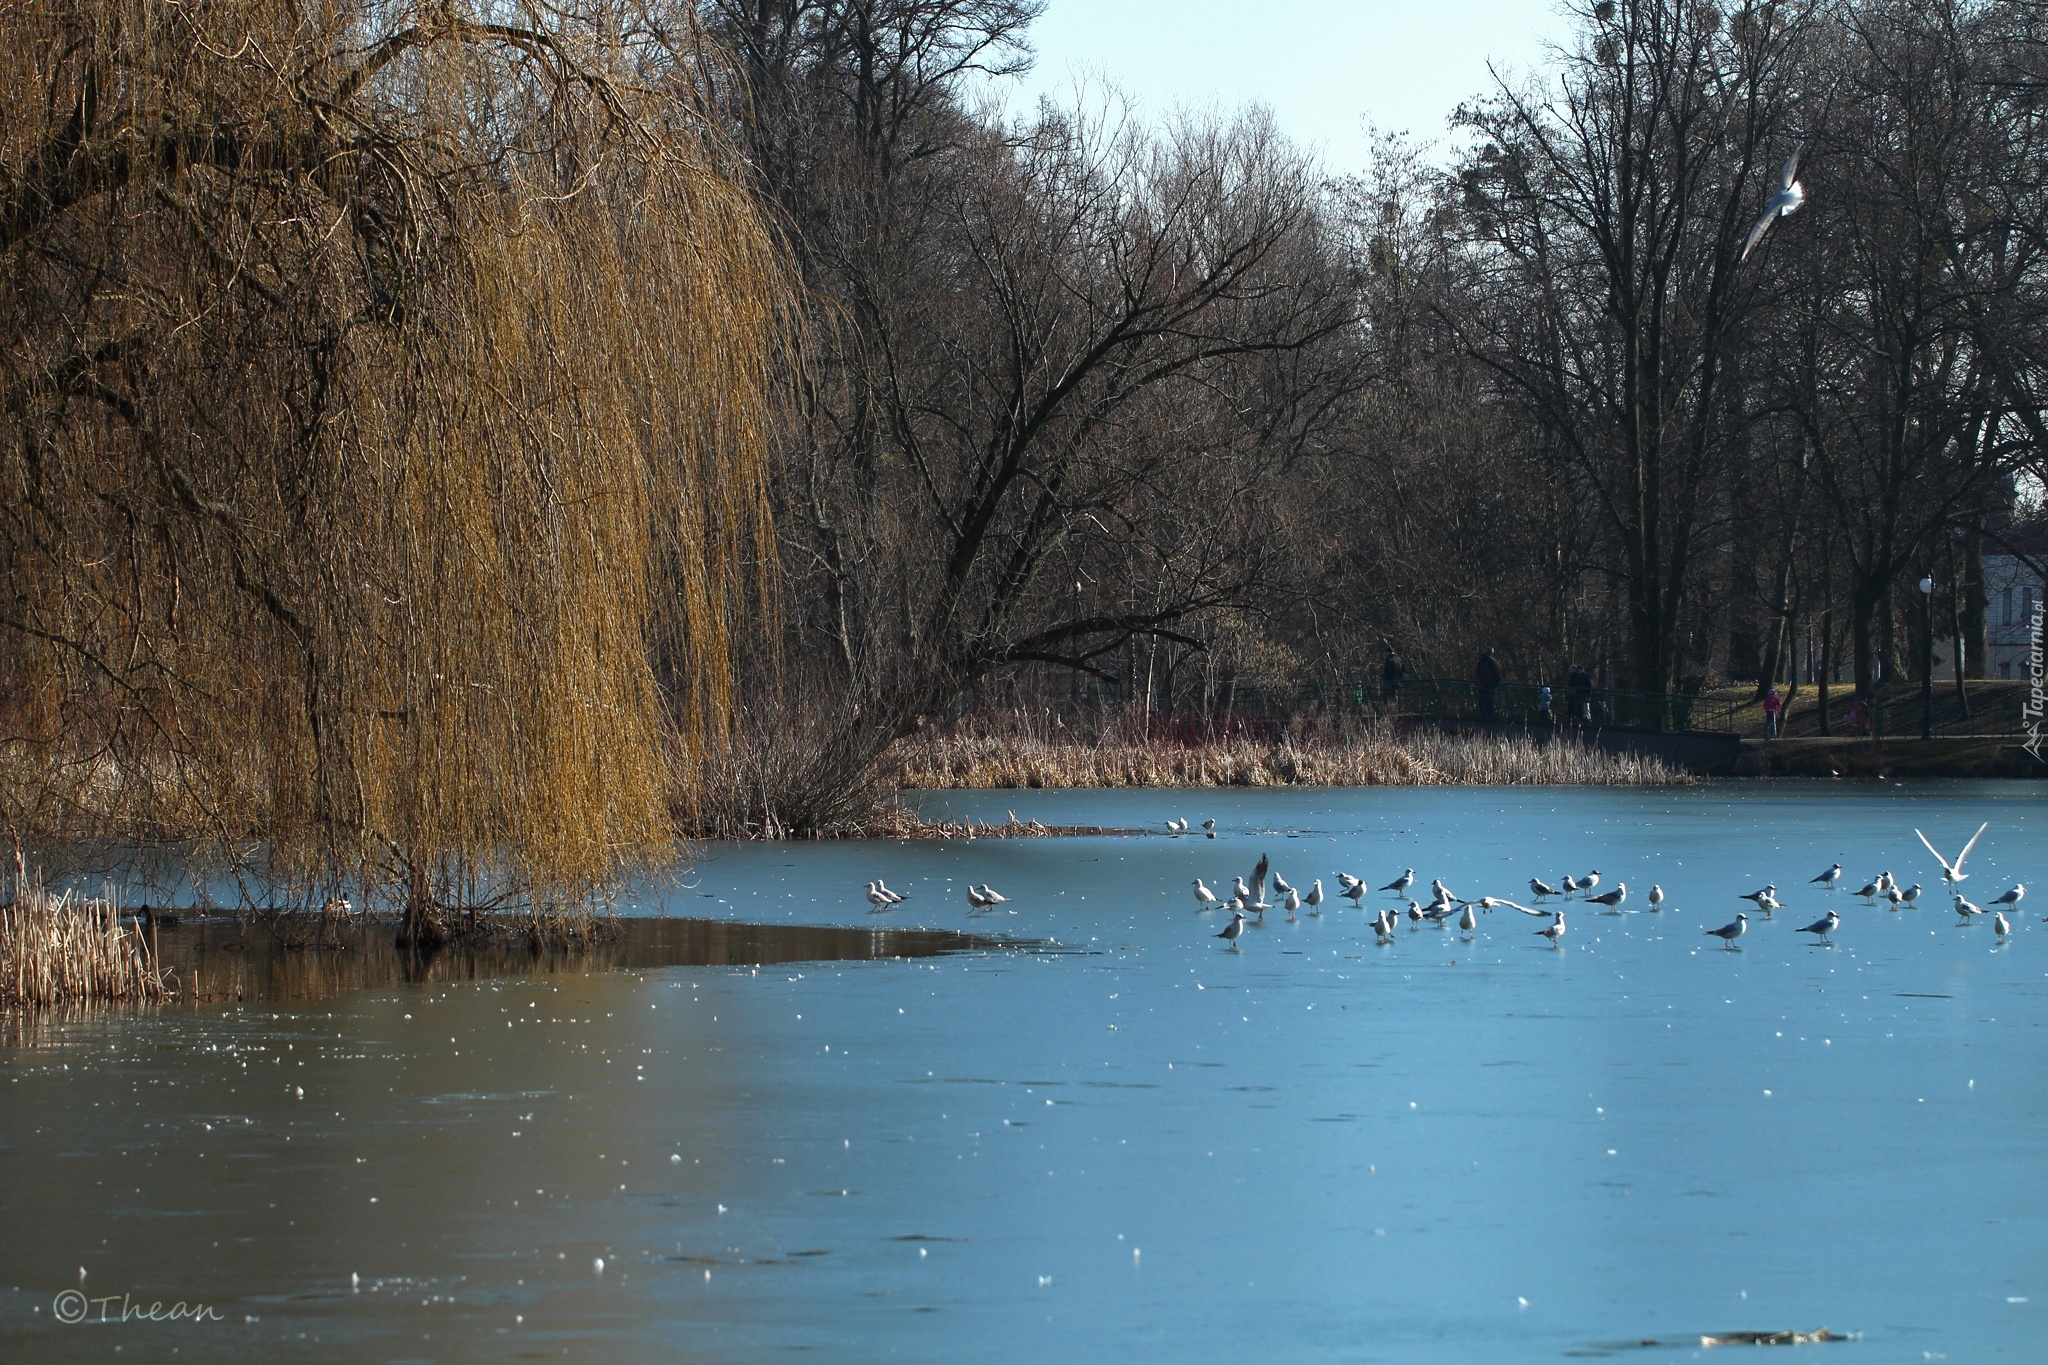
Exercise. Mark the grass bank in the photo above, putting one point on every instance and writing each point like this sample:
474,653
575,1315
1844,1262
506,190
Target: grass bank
1014,755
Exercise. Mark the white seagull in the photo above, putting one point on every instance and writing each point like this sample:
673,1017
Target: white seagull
1589,881
1540,888
1789,196
1953,872
1824,926
1555,929
991,895
891,896
1468,922
1964,910
1241,891
976,899
2000,925
1830,877
1910,894
1869,891
1439,890
1293,902
1399,886
1204,894
1414,913
1894,897
1209,828
1280,886
1769,893
1383,924
1233,929
1656,898
2014,896
1728,933
1613,899
1355,892
877,899
1314,899
1570,884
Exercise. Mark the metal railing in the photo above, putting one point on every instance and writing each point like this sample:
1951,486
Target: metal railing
1597,708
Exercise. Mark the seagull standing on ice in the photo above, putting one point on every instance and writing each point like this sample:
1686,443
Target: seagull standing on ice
1869,891
1589,881
1728,933
1540,888
1438,890
1293,902
1824,926
1209,828
1769,893
1241,891
1570,884
1399,886
1204,894
1314,899
1910,894
887,894
1828,878
1555,929
991,895
877,898
1964,910
2000,925
1233,929
1355,892
1789,196
2014,896
1953,872
1656,898
975,899
1468,922
1280,886
1613,899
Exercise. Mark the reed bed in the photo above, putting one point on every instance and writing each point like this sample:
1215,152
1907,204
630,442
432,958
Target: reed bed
65,951
1369,757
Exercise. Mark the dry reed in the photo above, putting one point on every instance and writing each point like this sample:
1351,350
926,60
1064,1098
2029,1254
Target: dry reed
66,951
1370,757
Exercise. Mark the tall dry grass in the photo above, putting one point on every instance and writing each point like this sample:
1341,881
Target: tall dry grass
1370,756
66,951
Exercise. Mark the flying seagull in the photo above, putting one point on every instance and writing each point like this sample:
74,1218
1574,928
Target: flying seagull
1825,925
1259,879
1790,195
1729,932
1953,872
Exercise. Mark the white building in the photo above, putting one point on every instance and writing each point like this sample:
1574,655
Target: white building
2012,615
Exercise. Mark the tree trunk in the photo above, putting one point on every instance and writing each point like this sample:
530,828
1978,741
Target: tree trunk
421,930
1827,665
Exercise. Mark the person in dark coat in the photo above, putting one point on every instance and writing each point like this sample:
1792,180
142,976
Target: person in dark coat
1487,676
1579,687
1390,676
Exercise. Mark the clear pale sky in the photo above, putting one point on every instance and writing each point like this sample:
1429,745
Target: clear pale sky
1325,67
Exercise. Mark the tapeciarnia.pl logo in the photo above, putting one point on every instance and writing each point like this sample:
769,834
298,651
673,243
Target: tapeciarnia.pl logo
2037,693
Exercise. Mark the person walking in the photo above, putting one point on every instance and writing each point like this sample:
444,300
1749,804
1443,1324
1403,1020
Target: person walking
1773,704
1543,715
1487,676
1390,676
1579,687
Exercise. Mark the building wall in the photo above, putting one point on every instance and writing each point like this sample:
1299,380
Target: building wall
2012,595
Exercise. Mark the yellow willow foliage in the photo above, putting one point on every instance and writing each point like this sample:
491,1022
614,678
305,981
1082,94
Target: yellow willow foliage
383,452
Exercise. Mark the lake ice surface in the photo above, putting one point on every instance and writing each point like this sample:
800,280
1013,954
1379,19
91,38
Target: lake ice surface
1141,1147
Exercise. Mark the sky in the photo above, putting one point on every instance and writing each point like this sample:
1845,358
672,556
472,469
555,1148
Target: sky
1325,67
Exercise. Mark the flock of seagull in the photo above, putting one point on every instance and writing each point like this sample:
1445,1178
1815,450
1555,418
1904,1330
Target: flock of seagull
1248,898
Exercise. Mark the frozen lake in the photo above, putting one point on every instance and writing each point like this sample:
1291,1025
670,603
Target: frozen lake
1141,1147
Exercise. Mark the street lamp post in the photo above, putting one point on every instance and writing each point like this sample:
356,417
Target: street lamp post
1927,661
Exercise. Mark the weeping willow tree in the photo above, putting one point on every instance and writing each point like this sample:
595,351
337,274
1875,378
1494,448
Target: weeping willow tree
386,389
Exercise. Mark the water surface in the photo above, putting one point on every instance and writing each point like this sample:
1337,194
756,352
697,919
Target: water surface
1147,1147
